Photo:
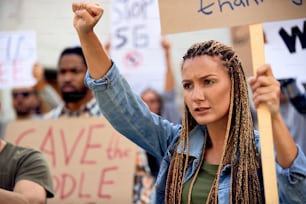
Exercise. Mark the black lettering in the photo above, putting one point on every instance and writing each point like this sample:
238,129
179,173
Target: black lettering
203,8
138,9
141,39
297,2
239,3
290,40
221,4
121,37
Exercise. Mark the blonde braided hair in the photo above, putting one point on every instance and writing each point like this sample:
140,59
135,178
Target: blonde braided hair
239,149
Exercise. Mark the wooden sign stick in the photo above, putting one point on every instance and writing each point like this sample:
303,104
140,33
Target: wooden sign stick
264,120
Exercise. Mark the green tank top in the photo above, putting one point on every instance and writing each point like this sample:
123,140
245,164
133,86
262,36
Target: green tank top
202,184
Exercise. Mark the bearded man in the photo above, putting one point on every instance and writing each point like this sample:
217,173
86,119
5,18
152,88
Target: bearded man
78,99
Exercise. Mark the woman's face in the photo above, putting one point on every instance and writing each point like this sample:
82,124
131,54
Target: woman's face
206,89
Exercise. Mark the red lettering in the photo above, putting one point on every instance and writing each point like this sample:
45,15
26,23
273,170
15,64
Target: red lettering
18,72
81,194
56,183
3,74
68,155
89,145
113,150
51,152
23,134
65,192
104,182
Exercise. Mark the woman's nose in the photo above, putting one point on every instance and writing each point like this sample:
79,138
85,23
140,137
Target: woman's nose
198,93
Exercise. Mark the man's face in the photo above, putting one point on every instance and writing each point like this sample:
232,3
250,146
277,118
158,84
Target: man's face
25,101
70,76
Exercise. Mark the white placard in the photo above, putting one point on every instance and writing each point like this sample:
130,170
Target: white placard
17,57
136,43
285,49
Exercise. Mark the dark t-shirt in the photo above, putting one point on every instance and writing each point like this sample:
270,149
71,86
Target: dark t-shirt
202,185
19,163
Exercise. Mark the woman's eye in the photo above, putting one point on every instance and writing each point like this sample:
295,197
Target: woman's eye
186,86
209,82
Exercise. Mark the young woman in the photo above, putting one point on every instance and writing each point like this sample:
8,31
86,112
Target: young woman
213,156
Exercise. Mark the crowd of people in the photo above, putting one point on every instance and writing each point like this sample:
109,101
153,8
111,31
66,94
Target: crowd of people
208,152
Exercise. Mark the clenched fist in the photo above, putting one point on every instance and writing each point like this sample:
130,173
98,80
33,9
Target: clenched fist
86,16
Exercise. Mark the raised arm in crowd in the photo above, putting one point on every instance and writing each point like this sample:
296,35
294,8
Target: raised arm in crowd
214,155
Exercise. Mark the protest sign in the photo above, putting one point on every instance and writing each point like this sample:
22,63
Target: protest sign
136,43
204,14
90,162
17,57
285,49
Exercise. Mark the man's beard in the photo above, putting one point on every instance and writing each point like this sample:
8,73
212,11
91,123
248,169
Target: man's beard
24,112
74,96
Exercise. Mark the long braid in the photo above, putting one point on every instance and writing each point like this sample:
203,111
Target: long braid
178,165
239,149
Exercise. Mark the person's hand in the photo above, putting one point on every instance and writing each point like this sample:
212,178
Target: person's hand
38,72
86,16
165,44
266,89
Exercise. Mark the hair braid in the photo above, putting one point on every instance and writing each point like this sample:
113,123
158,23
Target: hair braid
239,149
178,165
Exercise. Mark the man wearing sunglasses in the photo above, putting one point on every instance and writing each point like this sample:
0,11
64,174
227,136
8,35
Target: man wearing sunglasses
25,102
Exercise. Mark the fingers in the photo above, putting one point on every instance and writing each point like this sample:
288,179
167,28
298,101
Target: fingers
264,70
86,16
75,6
264,77
93,9
266,94
265,88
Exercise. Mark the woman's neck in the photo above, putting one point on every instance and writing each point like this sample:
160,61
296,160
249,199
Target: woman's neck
213,152
217,135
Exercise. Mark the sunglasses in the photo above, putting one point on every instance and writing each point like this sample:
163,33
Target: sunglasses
24,94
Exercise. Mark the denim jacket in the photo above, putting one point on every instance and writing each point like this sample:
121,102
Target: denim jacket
131,117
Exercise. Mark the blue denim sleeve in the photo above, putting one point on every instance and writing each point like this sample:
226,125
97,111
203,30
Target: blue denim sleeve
292,181
129,115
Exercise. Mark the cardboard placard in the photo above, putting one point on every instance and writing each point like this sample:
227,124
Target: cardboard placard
90,162
186,15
